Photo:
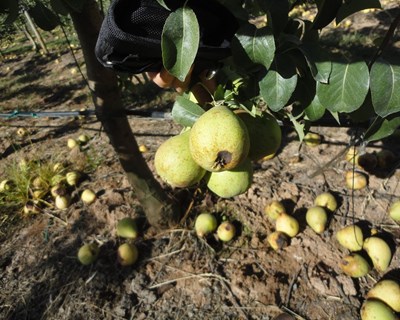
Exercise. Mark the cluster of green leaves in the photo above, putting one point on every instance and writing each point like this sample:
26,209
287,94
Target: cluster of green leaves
278,61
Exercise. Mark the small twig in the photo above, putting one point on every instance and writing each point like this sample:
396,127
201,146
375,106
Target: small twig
191,276
291,285
166,254
291,312
56,218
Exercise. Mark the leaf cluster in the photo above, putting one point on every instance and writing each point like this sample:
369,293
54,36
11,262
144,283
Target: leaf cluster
278,62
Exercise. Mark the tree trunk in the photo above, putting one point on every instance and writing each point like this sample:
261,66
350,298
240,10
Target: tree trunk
35,32
160,210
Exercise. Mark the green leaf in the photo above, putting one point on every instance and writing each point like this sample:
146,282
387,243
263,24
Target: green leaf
180,41
352,6
385,87
298,126
59,7
318,61
186,112
75,5
11,8
163,4
315,110
327,10
278,11
347,88
277,90
382,128
44,17
259,44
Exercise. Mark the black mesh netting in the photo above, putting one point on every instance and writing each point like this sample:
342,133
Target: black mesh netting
130,36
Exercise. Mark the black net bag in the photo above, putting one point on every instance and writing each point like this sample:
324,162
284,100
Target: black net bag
130,36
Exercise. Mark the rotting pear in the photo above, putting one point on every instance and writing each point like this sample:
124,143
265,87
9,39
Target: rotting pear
379,252
373,309
387,291
127,228
351,237
278,240
265,135
354,265
174,163
219,140
230,183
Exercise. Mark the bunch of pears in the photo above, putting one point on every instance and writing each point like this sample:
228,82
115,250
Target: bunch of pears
219,148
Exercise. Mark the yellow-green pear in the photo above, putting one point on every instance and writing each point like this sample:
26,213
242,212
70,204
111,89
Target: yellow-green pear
354,265
317,218
174,163
128,254
230,183
88,196
287,224
88,253
205,224
219,140
387,291
373,309
273,209
264,132
394,211
326,200
351,237
379,252
5,185
226,231
127,228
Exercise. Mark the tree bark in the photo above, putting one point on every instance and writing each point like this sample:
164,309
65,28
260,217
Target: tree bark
35,32
161,211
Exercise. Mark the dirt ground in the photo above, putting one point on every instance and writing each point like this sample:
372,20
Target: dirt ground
178,275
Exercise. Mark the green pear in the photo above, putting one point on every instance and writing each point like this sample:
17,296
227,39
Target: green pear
387,291
88,253
174,163
354,265
376,310
219,140
127,228
379,252
351,237
264,132
231,183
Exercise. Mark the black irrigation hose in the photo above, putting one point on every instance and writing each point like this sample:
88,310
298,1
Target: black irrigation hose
323,122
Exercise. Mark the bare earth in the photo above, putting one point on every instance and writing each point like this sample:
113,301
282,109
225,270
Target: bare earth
178,275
